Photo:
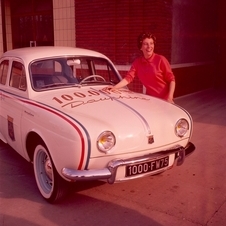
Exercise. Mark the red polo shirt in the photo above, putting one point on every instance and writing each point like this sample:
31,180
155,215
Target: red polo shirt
154,73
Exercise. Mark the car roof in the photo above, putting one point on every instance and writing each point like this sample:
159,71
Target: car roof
32,53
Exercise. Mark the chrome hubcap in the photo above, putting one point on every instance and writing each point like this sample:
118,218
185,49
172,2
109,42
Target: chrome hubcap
48,168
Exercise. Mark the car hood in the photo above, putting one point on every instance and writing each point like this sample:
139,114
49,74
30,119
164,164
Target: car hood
132,117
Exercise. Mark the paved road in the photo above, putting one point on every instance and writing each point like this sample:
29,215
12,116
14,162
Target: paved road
193,194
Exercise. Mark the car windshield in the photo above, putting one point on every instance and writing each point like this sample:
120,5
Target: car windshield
72,71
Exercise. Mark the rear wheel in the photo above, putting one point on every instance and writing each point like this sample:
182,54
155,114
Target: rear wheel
50,184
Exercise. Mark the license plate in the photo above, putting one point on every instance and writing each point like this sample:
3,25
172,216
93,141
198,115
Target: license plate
146,167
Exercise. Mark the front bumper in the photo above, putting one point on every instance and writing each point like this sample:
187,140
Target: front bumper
109,173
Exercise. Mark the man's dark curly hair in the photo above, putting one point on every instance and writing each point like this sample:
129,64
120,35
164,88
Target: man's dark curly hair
144,35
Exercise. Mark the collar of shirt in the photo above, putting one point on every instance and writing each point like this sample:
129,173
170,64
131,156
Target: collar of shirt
149,60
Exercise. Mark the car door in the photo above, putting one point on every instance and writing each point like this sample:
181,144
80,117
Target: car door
4,71
12,102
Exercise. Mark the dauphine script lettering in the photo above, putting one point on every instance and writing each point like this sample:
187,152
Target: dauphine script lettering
79,99
90,101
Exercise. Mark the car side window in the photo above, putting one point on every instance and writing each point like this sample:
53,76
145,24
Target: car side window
4,66
17,76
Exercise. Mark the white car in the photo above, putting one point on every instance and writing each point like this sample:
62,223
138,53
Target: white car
56,112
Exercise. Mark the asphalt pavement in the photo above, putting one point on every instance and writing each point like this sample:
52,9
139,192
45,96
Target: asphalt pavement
193,194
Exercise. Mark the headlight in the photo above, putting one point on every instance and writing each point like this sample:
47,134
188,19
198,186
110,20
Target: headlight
181,127
106,141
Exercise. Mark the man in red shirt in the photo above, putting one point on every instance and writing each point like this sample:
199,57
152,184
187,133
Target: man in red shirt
152,69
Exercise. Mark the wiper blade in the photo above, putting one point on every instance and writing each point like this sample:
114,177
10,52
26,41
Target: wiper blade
60,84
96,83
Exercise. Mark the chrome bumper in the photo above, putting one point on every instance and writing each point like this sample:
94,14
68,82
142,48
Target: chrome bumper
109,173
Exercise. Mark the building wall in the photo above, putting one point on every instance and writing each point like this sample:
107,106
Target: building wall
64,22
5,27
1,37
194,77
194,31
220,70
194,45
185,30
190,34
112,27
9,43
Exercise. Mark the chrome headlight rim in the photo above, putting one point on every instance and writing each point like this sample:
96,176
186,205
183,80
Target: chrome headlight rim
106,141
182,127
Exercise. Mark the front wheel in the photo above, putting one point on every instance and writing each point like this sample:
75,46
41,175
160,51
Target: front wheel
49,182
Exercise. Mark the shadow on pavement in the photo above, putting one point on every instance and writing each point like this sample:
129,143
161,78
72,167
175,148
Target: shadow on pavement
19,195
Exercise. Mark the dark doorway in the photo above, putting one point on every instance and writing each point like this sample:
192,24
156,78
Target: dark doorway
32,23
